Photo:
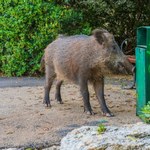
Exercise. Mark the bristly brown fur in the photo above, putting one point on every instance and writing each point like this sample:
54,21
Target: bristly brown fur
80,59
98,34
71,57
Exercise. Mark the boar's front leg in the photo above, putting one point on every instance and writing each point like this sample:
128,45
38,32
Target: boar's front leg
99,90
58,94
85,94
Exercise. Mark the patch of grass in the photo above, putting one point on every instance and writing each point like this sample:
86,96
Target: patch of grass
101,128
145,116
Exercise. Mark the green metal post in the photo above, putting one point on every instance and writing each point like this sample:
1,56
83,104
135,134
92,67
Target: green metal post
143,67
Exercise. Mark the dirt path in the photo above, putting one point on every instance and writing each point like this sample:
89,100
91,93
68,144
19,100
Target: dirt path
24,121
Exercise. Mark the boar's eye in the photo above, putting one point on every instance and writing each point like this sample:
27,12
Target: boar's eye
114,48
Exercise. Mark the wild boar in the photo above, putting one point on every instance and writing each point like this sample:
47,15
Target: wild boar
83,59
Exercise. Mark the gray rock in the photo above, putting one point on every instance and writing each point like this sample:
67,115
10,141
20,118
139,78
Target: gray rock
52,148
12,149
49,148
127,137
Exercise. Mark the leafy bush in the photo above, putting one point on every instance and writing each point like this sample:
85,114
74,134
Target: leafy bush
26,29
27,26
145,116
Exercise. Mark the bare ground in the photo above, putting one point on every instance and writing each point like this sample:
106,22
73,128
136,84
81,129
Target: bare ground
25,122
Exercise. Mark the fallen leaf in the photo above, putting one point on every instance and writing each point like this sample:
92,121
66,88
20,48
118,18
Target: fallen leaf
46,129
10,132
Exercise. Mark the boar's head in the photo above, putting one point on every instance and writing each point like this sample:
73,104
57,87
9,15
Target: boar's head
115,60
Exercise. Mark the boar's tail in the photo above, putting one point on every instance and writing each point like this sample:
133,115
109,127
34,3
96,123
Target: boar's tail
42,67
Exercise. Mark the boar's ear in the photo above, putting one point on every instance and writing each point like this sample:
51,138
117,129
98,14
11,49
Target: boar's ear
99,35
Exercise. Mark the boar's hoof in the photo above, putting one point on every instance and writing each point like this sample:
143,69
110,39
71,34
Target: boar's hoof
108,114
47,104
59,102
90,113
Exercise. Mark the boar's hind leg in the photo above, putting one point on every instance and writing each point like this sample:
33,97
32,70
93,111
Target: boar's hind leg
58,94
85,94
99,90
50,75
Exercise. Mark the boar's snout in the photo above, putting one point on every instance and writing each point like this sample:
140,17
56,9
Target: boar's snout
125,67
121,68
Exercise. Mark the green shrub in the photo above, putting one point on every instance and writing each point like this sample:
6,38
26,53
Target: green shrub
145,116
26,28
101,128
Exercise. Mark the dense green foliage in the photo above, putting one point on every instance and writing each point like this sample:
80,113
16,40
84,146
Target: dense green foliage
27,26
121,17
145,116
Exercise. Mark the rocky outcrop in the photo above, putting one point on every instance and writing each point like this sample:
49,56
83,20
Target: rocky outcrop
127,137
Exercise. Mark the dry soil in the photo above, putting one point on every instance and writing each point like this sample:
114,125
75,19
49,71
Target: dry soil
25,122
